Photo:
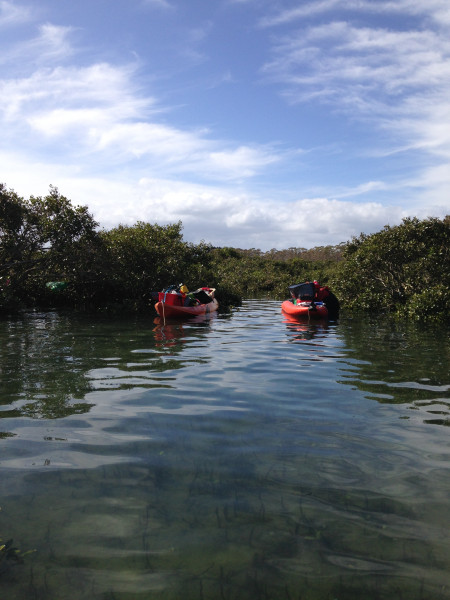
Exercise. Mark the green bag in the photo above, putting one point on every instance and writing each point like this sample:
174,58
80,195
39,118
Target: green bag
56,286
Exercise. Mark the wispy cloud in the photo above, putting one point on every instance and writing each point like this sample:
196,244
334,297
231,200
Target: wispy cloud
290,15
400,79
395,80
100,111
345,61
13,14
157,3
65,89
51,46
436,10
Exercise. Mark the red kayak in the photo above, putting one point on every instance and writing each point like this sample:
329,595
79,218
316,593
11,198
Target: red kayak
305,310
175,304
310,300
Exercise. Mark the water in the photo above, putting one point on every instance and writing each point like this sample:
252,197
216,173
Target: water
235,457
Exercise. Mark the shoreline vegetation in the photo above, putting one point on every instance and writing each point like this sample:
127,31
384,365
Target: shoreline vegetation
55,255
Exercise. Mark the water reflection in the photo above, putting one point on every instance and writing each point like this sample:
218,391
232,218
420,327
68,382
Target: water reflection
400,363
39,368
304,330
170,331
47,360
391,362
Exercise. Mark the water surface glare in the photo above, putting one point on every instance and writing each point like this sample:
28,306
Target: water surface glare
232,457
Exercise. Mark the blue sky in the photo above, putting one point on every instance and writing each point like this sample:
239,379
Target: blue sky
257,123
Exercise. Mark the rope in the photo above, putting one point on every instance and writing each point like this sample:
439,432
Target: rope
163,304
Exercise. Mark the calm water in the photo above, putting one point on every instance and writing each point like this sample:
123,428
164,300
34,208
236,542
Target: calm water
239,457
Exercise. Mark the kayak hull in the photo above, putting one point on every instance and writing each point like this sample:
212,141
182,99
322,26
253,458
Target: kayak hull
168,311
304,310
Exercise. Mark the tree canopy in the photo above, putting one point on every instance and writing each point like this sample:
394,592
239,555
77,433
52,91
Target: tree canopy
402,269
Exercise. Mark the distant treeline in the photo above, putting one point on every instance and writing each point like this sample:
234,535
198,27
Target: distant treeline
53,254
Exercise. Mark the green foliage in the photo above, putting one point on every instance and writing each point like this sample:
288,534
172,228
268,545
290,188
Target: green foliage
402,270
316,254
252,273
59,224
42,239
143,258
18,244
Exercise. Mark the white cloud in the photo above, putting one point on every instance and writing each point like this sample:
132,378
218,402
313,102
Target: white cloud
247,221
209,213
243,161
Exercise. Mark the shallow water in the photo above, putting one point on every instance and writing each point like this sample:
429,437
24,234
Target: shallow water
234,457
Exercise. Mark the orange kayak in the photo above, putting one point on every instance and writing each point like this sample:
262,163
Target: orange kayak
305,309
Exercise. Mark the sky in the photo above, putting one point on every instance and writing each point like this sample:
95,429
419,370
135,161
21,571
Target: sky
256,123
